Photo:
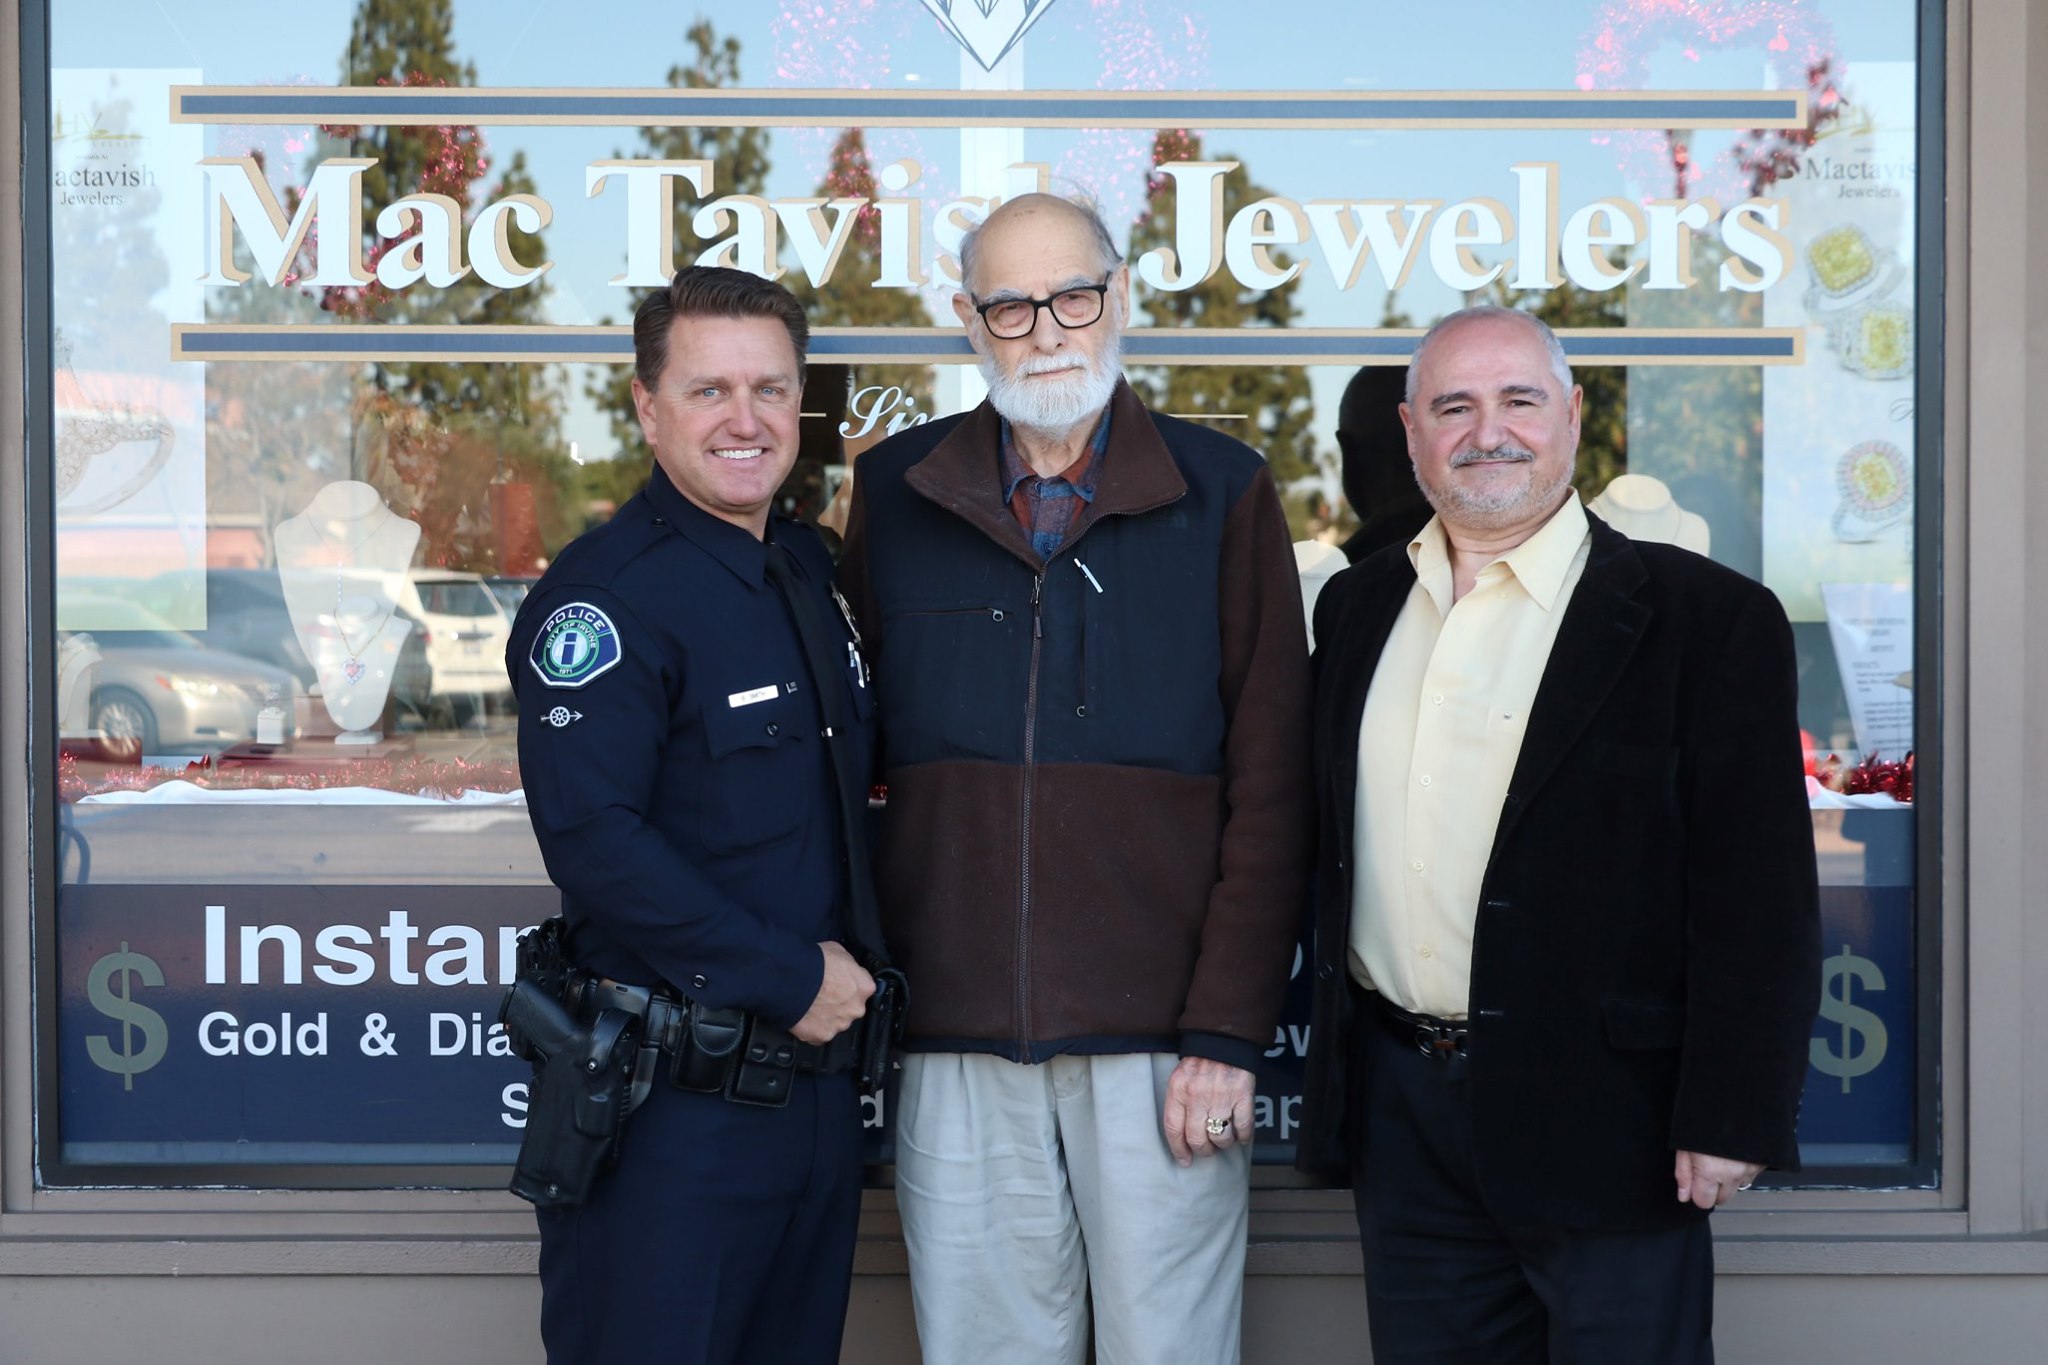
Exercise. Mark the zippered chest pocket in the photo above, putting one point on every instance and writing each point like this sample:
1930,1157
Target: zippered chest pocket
912,613
950,681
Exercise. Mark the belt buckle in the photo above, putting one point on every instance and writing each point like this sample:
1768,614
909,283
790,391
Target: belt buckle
1436,1040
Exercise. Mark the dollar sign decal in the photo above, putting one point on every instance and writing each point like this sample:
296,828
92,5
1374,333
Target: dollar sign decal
1839,978
125,1060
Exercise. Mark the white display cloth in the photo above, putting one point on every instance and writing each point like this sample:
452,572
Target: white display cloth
179,793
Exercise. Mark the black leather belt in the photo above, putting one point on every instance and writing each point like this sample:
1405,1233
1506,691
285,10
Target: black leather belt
1427,1034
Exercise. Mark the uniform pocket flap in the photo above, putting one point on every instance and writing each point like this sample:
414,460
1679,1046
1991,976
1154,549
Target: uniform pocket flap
753,725
1643,1024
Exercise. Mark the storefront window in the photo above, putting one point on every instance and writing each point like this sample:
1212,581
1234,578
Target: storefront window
337,366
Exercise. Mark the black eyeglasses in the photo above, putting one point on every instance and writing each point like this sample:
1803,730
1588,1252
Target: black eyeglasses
1009,319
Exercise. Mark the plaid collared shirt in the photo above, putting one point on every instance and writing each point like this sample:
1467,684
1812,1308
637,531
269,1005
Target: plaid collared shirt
1046,507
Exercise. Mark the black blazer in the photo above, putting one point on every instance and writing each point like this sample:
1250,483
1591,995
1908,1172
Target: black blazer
1646,965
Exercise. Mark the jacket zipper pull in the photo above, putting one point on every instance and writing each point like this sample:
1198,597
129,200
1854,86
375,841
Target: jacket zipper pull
1037,622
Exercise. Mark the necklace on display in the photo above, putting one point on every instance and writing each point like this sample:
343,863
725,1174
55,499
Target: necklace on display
346,550
352,666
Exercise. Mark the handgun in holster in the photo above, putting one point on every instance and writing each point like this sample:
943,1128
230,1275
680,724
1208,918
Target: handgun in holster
582,1084
882,1028
543,957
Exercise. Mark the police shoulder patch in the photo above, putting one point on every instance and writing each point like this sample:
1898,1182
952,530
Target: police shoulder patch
575,644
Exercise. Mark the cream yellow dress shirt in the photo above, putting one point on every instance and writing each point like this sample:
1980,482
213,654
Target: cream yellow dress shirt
1436,750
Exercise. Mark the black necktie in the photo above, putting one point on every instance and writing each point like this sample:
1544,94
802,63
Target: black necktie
823,659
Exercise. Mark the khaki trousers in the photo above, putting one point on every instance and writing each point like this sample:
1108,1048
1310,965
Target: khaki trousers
1024,1188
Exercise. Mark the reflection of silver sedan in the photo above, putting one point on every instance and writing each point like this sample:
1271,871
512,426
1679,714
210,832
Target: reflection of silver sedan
161,691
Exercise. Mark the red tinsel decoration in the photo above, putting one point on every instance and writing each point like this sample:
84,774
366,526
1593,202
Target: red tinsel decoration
441,779
455,160
1875,775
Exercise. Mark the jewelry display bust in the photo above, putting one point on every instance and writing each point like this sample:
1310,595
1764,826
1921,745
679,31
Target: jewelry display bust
342,563
1642,508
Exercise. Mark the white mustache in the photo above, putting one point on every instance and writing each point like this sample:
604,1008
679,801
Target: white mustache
1507,450
1050,364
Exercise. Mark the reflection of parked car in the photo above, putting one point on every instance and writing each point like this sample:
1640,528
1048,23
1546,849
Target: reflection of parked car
162,691
466,632
510,592
246,615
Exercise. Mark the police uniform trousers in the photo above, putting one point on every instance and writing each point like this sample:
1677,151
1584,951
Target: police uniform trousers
724,1236
1448,1284
1024,1189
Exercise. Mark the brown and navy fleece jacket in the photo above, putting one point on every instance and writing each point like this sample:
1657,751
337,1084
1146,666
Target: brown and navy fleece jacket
1098,825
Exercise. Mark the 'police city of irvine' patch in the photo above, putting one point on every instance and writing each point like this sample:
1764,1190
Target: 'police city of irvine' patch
574,645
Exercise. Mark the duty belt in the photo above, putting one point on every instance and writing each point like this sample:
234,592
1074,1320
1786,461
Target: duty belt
732,1052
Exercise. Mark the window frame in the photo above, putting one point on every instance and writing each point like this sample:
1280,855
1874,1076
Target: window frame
1933,727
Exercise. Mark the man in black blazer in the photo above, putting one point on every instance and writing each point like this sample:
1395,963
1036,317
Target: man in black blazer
1567,934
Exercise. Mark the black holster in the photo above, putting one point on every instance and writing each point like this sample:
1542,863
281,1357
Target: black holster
582,1083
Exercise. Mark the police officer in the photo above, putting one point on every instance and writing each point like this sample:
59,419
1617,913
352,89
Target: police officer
674,750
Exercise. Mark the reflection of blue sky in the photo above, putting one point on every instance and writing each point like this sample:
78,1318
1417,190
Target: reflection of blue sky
1187,44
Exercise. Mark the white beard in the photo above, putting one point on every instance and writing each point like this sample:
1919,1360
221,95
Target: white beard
1055,406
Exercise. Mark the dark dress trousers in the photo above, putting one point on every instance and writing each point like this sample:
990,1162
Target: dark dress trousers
1646,951
670,745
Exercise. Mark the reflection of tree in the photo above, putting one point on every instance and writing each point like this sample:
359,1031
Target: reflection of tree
851,299
468,493
606,484
1771,155
1279,414
274,432
739,157
434,437
1604,425
1699,428
412,43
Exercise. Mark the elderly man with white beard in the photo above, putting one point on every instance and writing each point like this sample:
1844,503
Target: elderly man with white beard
1092,679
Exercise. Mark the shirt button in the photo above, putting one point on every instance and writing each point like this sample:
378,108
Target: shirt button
1424,950
1438,699
1417,864
1425,779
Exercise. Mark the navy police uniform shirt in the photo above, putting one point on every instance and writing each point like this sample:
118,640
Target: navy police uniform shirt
672,750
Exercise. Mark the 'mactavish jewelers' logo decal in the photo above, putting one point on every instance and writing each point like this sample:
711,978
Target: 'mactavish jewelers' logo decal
988,28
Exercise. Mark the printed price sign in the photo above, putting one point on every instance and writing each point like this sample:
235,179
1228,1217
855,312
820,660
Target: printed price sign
254,1025
249,1025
